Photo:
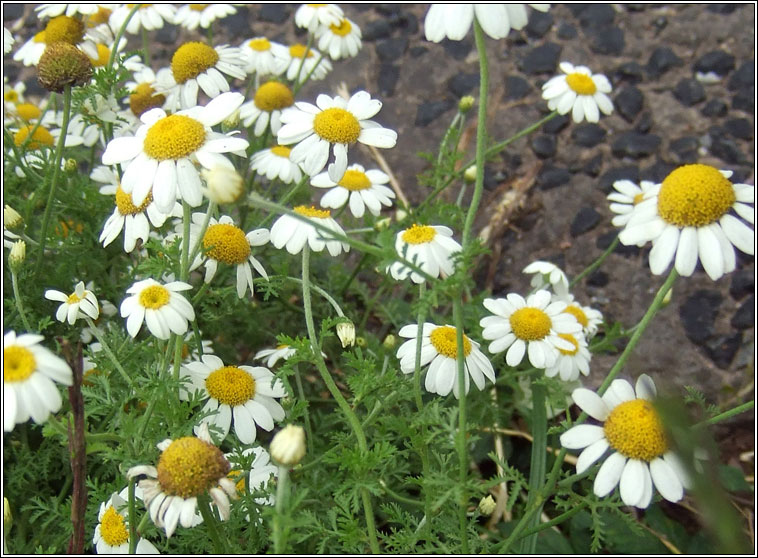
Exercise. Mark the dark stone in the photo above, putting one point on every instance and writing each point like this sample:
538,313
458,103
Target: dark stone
635,145
604,241
714,107
238,25
628,103
728,151
567,31
387,10
739,128
429,110
629,71
722,349
492,178
387,80
661,61
557,124
406,22
620,173
516,87
716,61
462,84
593,166
390,50
588,134
586,220
417,51
685,150
551,177
378,29
13,12
597,279
608,40
689,92
660,23
744,100
539,24
743,283
645,123
457,49
593,15
744,317
543,58
167,35
275,13
721,8
11,72
698,313
657,171
543,145
743,77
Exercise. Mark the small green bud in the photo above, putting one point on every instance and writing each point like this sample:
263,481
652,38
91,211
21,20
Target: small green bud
361,342
17,256
12,220
487,505
71,166
389,342
465,104
288,445
224,185
469,175
383,223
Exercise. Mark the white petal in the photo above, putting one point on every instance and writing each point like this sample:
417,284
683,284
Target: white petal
666,480
609,474
581,436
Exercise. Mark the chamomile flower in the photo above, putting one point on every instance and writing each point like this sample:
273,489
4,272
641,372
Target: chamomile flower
274,355
30,372
589,318
13,95
571,362
267,105
195,66
303,61
340,40
224,242
626,197
275,162
162,307
548,274
632,429
429,247
149,16
359,187
454,20
439,349
530,327
112,531
264,57
187,468
162,153
687,217
62,28
292,233
244,394
143,95
313,16
190,16
54,10
81,302
579,91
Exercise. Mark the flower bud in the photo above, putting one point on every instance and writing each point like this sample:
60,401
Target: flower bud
17,255
346,333
63,64
361,342
382,223
487,505
469,175
224,185
400,215
231,121
70,166
288,446
465,104
389,342
7,515
12,220
667,297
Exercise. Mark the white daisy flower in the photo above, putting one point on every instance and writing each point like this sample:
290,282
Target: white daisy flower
162,154
246,394
149,16
571,362
439,349
632,428
303,61
275,355
54,10
589,318
292,233
81,300
687,218
275,162
429,247
13,94
8,41
626,197
359,187
29,375
454,20
340,40
112,531
60,28
579,91
162,307
313,16
530,326
187,468
548,274
267,105
190,16
264,57
261,470
224,242
143,95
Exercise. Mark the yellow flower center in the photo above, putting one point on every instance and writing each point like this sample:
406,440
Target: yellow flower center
530,324
337,125
299,51
694,196
419,234
40,137
226,243
125,205
144,99
65,29
634,429
18,363
101,16
230,386
192,59
198,7
39,37
174,137
581,84
113,528
317,5
578,313
355,180
281,151
638,198
260,44
312,212
73,298
154,297
444,340
11,96
103,54
570,339
279,347
190,467
273,95
240,484
342,29
28,111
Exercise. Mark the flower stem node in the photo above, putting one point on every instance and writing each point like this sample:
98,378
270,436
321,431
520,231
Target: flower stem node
346,334
63,64
288,446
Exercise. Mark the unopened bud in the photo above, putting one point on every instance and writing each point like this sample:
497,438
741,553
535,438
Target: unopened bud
231,121
346,333
361,342
63,64
288,446
17,255
7,515
12,220
667,297
400,215
383,223
487,505
469,175
224,185
70,166
465,104
389,342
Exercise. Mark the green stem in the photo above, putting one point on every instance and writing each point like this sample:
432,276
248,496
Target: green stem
17,300
209,519
282,490
120,34
556,520
301,394
395,496
196,248
145,46
291,192
108,351
323,293
727,414
297,85
185,261
461,438
132,520
420,406
597,263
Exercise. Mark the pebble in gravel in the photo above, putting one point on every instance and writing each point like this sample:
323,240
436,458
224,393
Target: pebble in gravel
557,124
743,283
588,134
541,59
628,103
715,107
657,172
543,145
645,123
689,92
387,79
516,87
743,77
539,24
603,241
274,13
662,60
716,61
567,32
740,128
685,150
390,50
635,145
593,166
552,177
744,317
631,72
598,279
607,40
593,15
462,84
586,220
698,314
721,350
429,110
629,172
457,49
744,100
378,29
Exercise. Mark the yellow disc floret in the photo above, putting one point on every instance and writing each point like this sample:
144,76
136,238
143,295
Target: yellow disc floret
102,15
337,125
578,313
28,111
281,151
65,29
342,29
113,528
144,98
312,212
125,205
261,44
18,363
273,95
300,51
40,137
419,234
444,340
154,297
230,386
694,196
530,324
198,7
573,341
581,84
192,59
190,466
226,243
355,180
103,55
174,137
634,429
